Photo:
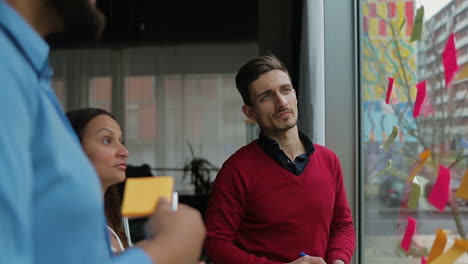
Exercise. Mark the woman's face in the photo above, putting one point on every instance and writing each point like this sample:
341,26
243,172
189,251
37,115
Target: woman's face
102,142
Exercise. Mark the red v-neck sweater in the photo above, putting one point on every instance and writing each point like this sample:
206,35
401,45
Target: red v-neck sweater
260,212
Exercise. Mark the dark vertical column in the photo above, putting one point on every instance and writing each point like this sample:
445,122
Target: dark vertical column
279,25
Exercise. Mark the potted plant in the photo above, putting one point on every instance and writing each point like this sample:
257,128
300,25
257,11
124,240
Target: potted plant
199,171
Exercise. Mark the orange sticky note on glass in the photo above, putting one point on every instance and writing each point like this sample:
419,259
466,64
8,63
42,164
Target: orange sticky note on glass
423,156
440,192
142,195
438,245
449,59
409,232
420,97
450,256
462,191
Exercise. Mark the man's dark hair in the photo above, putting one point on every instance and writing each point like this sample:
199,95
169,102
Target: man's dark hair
250,72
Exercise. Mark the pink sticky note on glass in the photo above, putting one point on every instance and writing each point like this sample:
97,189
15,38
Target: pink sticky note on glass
423,260
449,58
440,192
420,96
389,90
408,236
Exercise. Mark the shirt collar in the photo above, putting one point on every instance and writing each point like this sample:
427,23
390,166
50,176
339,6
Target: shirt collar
33,46
269,144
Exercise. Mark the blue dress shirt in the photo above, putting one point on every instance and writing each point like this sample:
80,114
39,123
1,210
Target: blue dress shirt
51,208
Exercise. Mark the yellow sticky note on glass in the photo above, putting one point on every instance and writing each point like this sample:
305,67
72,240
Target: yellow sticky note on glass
456,251
142,195
438,246
462,191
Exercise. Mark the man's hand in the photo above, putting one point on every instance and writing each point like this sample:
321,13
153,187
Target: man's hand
308,260
177,236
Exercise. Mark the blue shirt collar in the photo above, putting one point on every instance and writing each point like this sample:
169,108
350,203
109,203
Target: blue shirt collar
33,46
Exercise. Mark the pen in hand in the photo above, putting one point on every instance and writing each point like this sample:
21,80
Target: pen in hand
175,201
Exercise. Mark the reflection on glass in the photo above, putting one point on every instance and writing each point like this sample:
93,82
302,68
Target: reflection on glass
441,128
167,112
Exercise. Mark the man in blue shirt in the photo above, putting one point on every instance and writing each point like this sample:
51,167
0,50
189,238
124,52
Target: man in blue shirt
51,209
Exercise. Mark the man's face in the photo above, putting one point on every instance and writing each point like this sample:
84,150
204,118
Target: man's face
274,102
81,19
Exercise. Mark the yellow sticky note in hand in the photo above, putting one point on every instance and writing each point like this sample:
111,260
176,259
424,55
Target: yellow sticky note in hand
142,195
450,256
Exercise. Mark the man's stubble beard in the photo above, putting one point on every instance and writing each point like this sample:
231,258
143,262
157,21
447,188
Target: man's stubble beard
280,129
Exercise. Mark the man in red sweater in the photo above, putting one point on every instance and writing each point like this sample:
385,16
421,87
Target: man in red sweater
280,196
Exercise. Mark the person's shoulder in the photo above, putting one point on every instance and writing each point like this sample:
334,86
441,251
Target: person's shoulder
242,164
246,153
14,66
323,151
19,80
8,48
16,72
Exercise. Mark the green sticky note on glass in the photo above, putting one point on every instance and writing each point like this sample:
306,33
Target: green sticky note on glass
389,165
390,139
418,25
413,200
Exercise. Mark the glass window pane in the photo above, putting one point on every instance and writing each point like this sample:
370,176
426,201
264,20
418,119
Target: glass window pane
389,196
164,117
141,118
100,92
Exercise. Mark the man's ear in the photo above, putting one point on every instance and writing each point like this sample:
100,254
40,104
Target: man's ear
249,112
